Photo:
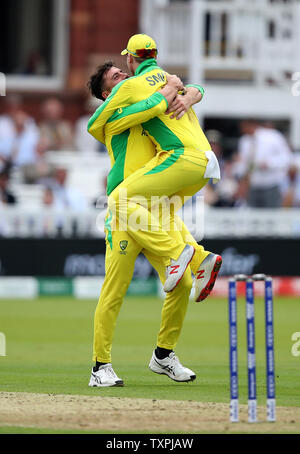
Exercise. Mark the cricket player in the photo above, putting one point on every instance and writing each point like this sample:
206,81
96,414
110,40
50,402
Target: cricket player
122,250
183,164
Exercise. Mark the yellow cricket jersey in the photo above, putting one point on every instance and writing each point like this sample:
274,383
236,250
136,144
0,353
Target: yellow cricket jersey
124,108
126,141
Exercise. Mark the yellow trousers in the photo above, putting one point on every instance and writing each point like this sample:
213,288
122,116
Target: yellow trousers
121,253
176,175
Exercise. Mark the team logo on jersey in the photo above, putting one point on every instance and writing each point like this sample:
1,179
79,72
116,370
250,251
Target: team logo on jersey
148,44
123,246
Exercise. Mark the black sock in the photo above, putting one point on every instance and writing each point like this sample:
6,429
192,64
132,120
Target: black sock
95,368
162,353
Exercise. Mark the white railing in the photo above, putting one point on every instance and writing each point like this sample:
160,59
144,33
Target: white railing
247,222
259,37
217,223
46,222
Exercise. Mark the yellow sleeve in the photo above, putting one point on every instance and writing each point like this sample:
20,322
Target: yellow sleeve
137,113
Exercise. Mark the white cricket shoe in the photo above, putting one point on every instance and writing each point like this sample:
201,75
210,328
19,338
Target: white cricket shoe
206,276
105,376
177,268
171,367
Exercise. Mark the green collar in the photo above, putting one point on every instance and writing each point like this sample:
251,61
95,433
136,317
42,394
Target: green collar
146,66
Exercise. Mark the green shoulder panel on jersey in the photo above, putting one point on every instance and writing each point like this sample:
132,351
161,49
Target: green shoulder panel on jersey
119,148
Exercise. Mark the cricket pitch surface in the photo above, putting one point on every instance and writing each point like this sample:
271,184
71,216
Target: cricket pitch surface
126,415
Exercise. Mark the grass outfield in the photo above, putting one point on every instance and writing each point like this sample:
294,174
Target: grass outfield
49,348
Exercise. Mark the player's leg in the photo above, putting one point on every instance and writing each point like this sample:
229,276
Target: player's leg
163,360
121,253
119,267
200,252
174,224
134,201
205,265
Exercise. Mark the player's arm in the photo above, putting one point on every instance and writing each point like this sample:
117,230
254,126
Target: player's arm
136,114
142,111
121,96
193,94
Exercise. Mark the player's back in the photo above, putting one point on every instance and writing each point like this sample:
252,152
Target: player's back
169,134
166,133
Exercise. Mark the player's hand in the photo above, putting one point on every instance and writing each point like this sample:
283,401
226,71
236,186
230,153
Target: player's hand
179,107
175,82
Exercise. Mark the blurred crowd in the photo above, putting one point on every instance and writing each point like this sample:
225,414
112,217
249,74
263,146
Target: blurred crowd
263,171
24,144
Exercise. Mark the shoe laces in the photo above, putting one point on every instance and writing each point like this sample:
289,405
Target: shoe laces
109,370
174,361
